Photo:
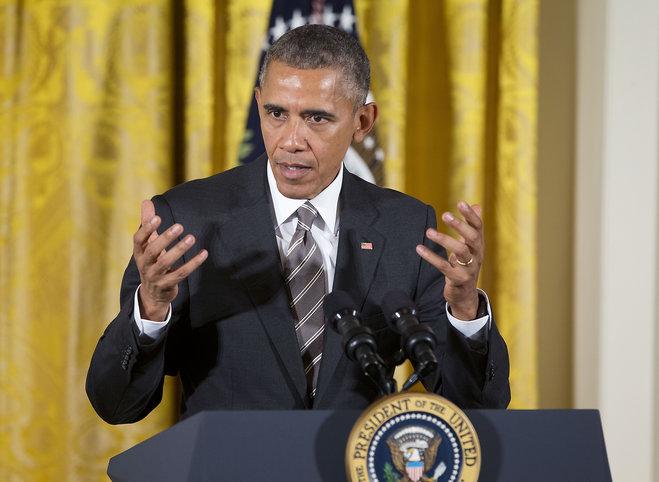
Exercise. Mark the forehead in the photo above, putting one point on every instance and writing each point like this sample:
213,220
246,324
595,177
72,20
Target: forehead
282,80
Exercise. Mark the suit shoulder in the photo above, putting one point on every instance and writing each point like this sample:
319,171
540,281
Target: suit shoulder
221,189
389,198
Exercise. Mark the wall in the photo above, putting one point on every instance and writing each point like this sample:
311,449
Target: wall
616,217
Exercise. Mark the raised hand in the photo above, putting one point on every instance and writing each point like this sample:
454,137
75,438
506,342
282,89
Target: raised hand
463,266
154,262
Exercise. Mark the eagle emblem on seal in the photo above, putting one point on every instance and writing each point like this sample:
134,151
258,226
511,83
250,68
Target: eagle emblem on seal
413,452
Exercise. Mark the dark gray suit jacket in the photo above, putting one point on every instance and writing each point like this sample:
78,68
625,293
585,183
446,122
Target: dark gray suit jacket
231,336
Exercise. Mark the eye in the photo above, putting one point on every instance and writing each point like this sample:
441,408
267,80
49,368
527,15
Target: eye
317,119
276,114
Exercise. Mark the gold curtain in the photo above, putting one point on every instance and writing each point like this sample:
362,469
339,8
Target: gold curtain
456,82
471,134
96,115
87,116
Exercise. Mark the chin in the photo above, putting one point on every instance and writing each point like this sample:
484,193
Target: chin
293,192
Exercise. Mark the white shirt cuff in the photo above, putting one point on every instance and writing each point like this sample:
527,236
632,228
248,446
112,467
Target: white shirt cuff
470,328
148,328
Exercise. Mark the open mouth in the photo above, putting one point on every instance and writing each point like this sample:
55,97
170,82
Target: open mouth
292,171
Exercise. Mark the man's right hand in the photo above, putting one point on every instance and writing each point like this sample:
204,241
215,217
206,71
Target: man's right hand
154,262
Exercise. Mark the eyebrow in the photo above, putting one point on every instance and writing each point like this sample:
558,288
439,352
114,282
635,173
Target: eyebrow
273,107
307,112
321,113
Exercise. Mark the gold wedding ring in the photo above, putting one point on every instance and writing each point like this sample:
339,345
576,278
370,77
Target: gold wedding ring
463,263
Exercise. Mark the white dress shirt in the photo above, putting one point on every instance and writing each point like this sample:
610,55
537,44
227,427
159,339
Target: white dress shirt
325,231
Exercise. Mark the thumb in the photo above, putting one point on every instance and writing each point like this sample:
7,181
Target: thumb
478,210
148,211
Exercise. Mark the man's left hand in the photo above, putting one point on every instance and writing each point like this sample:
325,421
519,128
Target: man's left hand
464,262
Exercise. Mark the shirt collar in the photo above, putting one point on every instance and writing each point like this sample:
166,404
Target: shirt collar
326,202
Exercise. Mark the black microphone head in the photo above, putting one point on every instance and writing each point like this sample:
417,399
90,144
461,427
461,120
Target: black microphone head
337,302
394,301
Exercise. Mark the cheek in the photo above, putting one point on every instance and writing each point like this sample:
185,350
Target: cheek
339,143
268,138
335,138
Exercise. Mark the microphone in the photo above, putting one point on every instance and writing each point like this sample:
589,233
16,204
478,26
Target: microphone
418,341
358,341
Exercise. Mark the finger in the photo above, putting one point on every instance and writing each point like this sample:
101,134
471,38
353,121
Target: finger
472,214
155,248
457,274
463,262
462,250
181,272
168,258
434,259
470,234
148,211
149,224
145,235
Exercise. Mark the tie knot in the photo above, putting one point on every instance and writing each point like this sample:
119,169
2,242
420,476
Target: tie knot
305,216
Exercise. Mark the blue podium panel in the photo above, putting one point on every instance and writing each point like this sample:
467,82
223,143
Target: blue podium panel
516,445
250,445
541,445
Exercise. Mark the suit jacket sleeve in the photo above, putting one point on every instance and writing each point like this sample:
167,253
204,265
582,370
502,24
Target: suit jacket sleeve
126,375
471,376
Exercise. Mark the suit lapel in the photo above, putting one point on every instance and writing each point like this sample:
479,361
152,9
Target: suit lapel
251,241
360,249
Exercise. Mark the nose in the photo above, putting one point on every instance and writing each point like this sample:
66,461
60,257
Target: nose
294,138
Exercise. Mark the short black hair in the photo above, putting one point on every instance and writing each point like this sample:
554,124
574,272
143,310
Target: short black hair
322,46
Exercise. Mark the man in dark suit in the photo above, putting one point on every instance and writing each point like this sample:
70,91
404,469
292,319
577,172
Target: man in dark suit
222,318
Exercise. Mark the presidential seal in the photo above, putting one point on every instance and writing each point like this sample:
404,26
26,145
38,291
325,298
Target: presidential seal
413,437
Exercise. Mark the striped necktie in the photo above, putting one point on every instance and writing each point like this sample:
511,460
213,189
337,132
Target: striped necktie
305,280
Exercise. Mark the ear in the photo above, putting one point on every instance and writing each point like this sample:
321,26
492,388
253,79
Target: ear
257,96
364,120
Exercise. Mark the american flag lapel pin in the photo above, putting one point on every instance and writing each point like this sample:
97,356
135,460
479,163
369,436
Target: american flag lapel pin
368,246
